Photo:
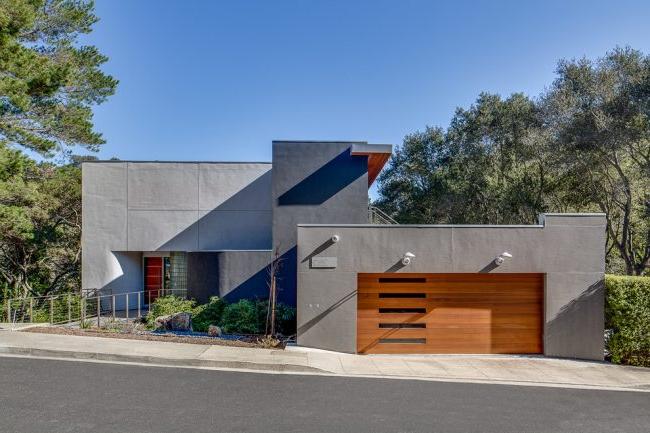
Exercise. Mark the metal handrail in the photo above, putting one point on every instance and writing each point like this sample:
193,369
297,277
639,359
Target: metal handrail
67,308
377,216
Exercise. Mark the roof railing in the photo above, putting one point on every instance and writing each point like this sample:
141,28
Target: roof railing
377,216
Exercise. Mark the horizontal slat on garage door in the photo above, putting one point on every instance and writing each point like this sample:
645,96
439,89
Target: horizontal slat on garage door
450,313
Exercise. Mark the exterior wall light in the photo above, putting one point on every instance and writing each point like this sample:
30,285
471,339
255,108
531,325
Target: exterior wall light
502,258
408,256
335,239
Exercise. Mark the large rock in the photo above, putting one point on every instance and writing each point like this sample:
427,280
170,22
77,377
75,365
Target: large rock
181,322
175,322
214,331
162,322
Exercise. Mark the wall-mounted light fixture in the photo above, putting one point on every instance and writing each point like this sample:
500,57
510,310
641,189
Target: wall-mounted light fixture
502,258
408,256
335,238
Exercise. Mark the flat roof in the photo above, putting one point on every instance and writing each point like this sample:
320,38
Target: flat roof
423,226
173,162
378,155
321,141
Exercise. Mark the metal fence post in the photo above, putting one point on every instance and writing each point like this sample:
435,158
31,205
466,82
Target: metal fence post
69,308
31,310
139,313
51,309
113,305
126,310
8,310
99,311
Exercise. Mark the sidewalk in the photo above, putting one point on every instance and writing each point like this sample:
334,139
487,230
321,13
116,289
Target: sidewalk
512,370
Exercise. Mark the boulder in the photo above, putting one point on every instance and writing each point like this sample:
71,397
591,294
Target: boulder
162,322
214,331
175,322
181,322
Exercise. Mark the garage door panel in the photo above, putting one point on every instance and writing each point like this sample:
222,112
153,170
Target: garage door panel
371,304
398,288
450,313
398,348
393,333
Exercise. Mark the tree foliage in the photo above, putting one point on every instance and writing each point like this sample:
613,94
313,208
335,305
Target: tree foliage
583,145
40,222
599,116
49,83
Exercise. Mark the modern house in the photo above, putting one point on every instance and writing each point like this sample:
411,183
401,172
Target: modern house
213,228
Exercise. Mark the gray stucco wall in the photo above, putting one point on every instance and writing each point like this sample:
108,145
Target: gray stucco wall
202,275
168,206
243,274
569,249
313,182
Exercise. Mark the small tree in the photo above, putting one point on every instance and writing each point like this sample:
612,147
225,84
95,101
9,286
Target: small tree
273,270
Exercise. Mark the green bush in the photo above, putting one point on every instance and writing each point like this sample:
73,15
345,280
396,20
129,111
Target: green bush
285,319
208,314
243,317
166,305
627,316
249,317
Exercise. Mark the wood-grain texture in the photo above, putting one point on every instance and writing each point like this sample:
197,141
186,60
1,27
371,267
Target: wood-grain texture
462,313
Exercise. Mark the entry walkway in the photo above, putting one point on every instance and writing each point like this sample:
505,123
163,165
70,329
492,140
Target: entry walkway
511,370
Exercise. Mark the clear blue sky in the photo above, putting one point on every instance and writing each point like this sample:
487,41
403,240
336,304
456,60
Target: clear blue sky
218,80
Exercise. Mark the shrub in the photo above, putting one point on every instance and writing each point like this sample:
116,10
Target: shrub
242,317
249,317
285,319
166,305
208,314
268,342
627,316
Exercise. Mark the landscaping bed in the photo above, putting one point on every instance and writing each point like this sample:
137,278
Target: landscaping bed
178,320
173,337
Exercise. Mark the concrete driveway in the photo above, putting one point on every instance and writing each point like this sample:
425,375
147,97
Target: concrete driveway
533,370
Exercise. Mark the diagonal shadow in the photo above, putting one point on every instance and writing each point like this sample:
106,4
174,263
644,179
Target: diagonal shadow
414,318
577,312
396,267
311,323
319,249
325,182
258,236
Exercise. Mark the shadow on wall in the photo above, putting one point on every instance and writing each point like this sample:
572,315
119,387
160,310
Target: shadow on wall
489,267
325,182
583,314
121,266
257,285
396,267
125,270
319,249
287,277
236,230
311,323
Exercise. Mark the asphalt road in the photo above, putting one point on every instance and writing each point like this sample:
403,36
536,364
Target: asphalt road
58,396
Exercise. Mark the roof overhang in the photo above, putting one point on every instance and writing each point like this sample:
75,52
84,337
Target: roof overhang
378,155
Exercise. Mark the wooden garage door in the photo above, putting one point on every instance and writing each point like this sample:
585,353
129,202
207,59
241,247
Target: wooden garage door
450,313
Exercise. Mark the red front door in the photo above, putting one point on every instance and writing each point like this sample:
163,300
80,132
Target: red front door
153,278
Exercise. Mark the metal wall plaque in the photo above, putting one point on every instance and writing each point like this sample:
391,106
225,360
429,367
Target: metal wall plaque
324,262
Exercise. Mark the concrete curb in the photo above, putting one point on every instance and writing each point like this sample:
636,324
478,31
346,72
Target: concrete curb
153,360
